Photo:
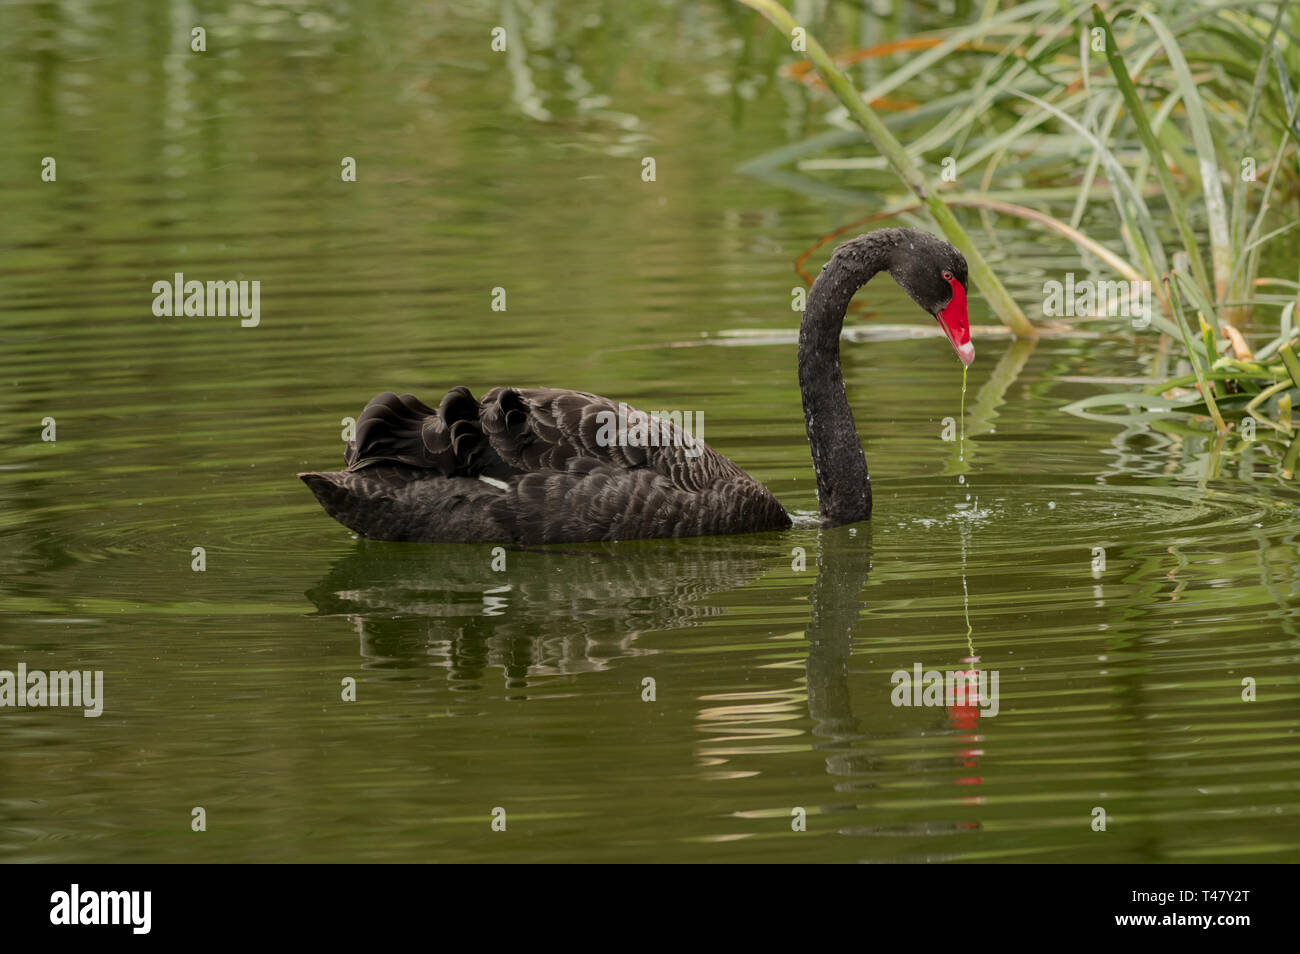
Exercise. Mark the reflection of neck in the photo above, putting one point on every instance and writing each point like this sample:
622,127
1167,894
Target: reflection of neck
842,568
843,485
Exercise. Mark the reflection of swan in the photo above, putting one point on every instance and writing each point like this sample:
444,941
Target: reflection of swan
543,465
843,566
552,611
582,609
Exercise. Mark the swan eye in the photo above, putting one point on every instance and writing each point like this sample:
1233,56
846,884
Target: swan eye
947,275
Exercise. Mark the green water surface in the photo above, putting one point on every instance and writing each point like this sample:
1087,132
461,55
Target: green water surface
525,689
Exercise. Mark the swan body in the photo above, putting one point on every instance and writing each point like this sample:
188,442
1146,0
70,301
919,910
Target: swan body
538,465
528,465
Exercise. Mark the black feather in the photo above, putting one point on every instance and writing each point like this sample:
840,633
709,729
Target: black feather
414,473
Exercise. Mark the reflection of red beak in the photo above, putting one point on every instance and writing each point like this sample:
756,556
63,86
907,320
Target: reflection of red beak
956,325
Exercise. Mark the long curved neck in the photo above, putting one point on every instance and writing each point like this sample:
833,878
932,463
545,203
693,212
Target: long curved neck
843,484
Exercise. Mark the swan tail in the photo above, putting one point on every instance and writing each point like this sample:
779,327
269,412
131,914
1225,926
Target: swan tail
401,503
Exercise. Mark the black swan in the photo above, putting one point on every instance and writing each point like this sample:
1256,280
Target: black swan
542,465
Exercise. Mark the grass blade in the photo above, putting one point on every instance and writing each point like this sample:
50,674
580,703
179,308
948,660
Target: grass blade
1156,152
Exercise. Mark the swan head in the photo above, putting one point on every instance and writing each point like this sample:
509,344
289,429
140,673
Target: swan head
933,273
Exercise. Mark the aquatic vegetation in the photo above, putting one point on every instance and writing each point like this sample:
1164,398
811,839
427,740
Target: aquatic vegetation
907,168
1181,118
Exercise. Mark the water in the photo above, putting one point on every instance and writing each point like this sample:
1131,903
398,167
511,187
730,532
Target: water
771,656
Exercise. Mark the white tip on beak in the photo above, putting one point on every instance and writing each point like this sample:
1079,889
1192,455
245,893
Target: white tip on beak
967,353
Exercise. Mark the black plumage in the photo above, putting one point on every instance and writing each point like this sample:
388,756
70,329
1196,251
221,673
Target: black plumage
524,465
536,465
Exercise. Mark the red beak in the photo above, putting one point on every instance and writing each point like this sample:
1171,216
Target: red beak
956,325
